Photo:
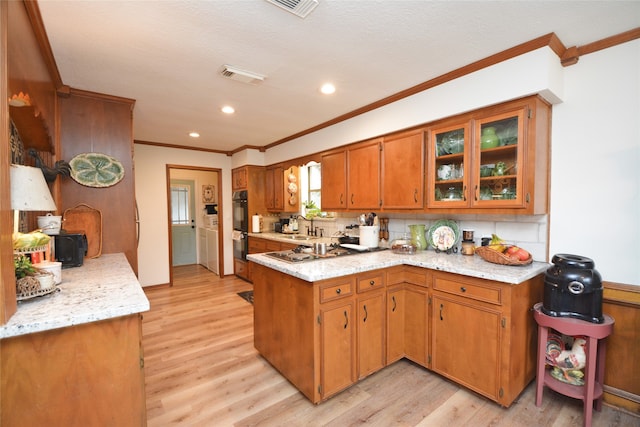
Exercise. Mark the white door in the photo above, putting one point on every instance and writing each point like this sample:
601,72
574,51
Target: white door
212,250
183,224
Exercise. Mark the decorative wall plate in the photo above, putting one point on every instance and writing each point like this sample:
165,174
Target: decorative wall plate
443,235
96,170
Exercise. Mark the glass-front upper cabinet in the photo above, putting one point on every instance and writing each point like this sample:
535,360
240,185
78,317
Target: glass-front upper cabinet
448,174
488,160
498,160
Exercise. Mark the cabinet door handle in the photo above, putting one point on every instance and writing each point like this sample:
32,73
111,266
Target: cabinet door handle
393,298
341,198
338,291
415,195
346,319
475,193
365,313
464,193
351,198
441,308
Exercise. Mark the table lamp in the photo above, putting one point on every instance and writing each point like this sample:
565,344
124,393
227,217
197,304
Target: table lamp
29,192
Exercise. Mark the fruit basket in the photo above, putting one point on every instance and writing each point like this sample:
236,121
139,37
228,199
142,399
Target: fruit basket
489,254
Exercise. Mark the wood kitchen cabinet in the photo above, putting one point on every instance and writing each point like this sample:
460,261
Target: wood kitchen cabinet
371,322
88,374
307,330
281,189
239,178
334,180
407,314
351,177
493,159
337,347
494,349
274,188
363,175
324,336
402,169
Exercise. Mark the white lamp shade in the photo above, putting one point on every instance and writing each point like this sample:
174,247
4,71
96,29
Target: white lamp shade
29,190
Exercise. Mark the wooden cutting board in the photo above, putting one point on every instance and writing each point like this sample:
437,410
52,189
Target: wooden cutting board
84,218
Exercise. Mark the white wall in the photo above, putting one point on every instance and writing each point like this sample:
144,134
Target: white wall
151,196
595,180
535,72
595,124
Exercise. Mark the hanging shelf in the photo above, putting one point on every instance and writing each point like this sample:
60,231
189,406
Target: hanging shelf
31,127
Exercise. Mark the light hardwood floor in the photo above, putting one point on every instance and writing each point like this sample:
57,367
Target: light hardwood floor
202,370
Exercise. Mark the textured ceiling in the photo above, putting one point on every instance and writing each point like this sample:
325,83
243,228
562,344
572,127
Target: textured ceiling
167,54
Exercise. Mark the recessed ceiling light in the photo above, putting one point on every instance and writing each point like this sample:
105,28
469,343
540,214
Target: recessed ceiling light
194,134
328,88
228,109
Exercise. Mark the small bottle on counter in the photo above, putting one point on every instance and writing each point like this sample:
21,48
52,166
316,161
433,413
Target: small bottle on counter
468,247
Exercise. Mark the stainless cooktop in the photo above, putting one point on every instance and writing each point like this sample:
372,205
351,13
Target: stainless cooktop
302,254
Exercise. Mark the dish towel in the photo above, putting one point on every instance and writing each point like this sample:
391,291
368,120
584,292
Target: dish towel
236,235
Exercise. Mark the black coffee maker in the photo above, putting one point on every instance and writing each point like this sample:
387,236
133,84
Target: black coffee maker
278,225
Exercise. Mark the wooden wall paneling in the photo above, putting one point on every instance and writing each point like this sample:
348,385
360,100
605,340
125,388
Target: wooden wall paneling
622,370
95,123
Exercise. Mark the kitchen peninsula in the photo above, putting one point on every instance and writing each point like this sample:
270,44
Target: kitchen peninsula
328,323
75,357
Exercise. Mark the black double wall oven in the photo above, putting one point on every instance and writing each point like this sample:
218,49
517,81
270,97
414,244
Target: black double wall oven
240,225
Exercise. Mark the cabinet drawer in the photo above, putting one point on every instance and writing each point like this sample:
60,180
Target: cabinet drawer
240,268
416,276
370,282
488,294
257,245
287,246
272,245
335,290
406,274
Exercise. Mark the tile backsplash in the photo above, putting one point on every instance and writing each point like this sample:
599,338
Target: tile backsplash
529,232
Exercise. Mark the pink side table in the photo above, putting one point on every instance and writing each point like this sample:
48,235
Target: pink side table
595,333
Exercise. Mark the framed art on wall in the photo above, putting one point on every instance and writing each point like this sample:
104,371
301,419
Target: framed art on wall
208,194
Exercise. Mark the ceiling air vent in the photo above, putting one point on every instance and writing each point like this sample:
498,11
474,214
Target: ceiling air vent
300,8
239,75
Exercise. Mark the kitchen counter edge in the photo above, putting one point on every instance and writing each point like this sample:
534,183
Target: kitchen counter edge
102,288
472,266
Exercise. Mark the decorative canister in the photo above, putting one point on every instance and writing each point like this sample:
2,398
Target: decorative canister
417,236
468,248
369,235
50,224
53,267
489,139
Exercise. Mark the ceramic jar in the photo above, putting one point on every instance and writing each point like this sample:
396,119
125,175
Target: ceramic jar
489,139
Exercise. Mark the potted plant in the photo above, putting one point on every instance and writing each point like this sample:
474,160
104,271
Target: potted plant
23,267
310,209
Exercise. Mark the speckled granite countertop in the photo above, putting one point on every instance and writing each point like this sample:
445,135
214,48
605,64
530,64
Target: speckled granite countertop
473,266
103,288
